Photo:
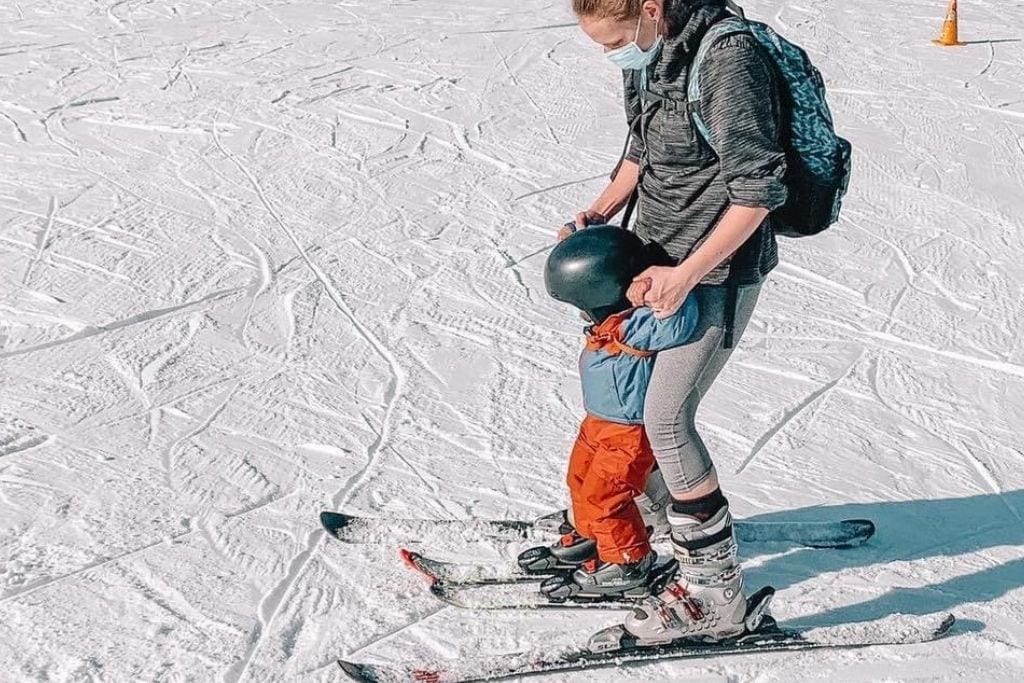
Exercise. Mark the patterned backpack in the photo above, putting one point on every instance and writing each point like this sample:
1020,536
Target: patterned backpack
818,160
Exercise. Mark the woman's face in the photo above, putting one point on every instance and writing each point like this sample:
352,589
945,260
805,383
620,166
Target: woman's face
611,33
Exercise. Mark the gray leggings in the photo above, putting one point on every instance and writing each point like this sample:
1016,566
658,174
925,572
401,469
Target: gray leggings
681,378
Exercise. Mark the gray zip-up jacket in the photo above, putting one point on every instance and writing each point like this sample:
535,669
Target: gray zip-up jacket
685,186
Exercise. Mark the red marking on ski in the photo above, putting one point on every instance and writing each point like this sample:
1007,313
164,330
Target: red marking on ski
411,560
426,676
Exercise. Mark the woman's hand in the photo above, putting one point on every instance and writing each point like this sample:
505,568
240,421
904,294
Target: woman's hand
611,200
582,220
666,288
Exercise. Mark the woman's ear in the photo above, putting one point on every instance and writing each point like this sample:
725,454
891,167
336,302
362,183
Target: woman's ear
654,9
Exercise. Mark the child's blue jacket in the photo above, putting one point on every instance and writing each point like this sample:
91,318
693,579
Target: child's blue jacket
616,365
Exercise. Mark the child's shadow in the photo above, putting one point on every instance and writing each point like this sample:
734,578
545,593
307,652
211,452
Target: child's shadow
912,530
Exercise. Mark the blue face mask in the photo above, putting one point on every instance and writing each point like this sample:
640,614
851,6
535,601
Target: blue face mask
630,56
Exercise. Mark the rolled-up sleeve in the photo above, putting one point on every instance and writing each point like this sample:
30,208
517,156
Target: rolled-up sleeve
740,104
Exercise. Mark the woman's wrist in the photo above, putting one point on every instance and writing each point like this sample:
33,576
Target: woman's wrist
686,275
605,207
608,207
616,195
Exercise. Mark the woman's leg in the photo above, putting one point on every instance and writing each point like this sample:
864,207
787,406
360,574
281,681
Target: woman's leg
702,529
681,378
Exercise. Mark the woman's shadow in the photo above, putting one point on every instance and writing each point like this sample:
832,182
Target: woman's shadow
907,531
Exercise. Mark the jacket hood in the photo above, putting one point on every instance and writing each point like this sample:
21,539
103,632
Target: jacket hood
686,21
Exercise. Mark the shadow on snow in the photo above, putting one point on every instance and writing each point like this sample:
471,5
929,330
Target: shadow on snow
908,531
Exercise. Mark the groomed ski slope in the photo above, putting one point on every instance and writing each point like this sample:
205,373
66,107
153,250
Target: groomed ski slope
261,259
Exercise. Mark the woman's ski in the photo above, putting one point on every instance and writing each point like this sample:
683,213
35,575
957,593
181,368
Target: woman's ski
768,637
845,533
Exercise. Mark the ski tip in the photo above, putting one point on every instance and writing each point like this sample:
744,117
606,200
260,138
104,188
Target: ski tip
412,561
334,522
855,533
408,557
358,672
864,526
945,626
862,530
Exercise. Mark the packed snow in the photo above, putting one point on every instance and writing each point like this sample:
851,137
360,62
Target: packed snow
262,259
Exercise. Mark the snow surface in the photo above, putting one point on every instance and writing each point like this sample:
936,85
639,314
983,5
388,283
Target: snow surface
265,258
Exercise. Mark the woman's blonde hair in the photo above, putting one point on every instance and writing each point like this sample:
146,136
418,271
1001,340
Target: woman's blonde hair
607,9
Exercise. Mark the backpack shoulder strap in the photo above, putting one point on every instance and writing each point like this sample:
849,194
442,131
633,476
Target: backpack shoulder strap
637,76
718,31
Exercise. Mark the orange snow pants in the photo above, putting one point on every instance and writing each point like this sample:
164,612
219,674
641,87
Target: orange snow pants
607,469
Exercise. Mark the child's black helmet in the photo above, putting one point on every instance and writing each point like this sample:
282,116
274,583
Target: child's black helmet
592,269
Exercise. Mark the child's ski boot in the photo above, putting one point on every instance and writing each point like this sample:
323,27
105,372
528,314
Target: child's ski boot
597,580
571,551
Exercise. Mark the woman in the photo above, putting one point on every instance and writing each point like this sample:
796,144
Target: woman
708,209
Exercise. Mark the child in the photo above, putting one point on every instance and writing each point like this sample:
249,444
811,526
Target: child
611,459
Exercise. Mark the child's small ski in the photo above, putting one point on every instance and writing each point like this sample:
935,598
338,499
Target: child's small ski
525,593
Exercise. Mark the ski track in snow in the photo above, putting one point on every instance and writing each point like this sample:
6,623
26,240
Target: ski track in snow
265,259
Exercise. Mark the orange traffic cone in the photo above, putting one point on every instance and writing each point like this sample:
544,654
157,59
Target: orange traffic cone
950,34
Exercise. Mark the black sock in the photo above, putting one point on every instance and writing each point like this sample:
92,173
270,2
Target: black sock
704,508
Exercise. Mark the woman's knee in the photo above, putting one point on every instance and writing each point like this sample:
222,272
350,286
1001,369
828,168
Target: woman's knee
671,424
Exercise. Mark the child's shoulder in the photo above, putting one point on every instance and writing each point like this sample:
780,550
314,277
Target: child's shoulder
643,327
637,320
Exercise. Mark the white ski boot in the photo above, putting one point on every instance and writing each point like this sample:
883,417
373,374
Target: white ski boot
654,503
706,600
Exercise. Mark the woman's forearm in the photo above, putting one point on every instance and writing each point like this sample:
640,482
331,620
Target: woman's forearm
738,223
617,193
